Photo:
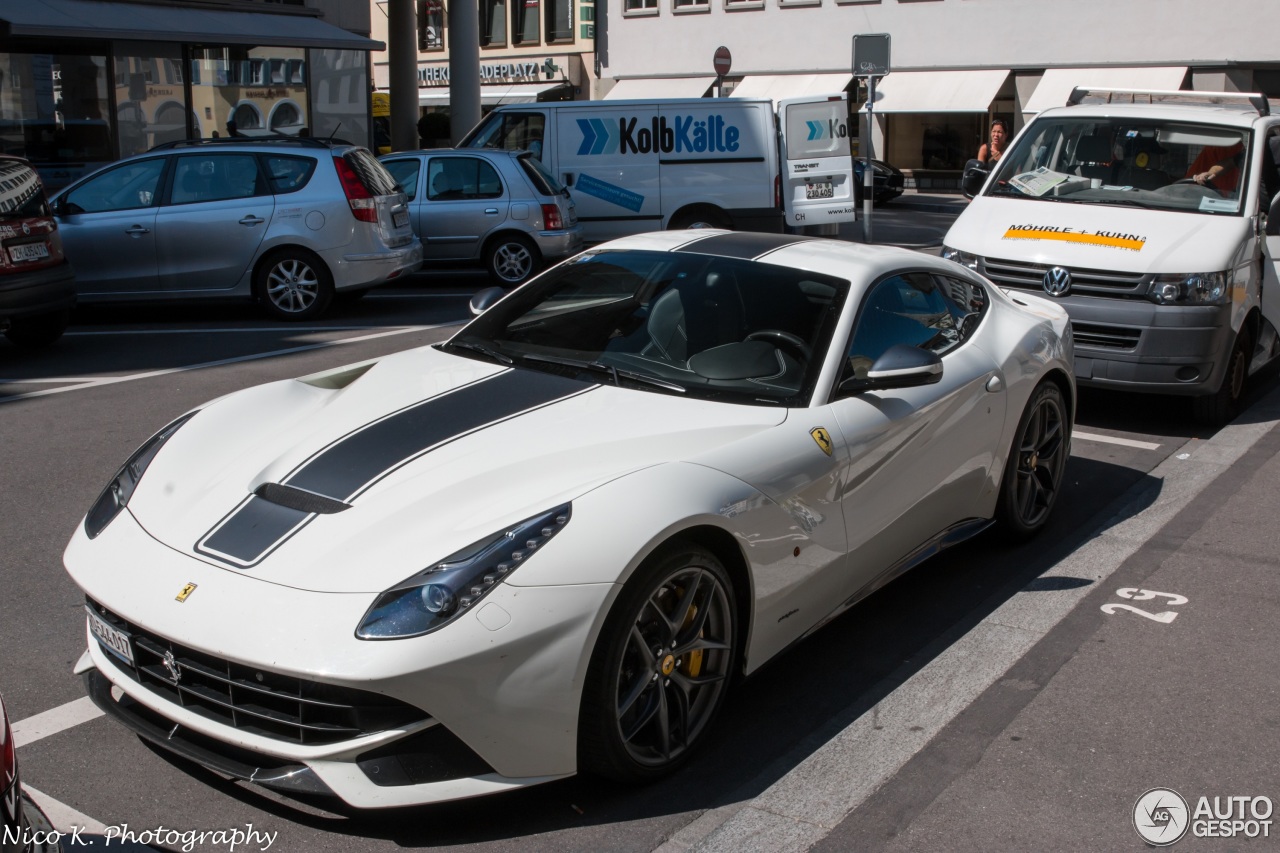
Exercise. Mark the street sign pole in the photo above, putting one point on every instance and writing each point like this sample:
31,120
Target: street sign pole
870,60
868,176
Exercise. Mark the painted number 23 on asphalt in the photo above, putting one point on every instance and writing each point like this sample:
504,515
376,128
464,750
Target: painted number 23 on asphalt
1165,617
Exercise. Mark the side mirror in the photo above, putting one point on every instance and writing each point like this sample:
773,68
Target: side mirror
485,299
975,175
901,366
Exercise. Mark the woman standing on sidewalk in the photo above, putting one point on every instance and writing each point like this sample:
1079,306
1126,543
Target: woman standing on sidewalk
992,151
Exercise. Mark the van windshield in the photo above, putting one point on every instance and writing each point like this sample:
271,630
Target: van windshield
1161,165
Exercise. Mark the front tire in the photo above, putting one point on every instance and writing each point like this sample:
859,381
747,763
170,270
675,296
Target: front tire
511,260
38,330
1033,474
660,669
293,284
1220,407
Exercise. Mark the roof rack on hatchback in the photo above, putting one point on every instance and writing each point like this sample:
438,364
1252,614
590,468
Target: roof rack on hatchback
305,141
1134,96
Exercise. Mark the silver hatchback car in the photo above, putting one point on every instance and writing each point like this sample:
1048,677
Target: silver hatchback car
290,222
501,208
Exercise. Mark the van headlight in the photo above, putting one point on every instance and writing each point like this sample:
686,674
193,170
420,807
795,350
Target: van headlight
115,496
962,258
440,593
1200,288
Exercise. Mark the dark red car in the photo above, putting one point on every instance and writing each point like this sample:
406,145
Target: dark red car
37,285
23,827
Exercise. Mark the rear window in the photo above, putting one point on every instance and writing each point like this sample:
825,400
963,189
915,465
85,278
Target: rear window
375,177
544,181
21,195
288,174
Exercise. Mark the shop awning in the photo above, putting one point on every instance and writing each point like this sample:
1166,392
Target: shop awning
94,19
1056,84
782,86
939,91
517,93
643,88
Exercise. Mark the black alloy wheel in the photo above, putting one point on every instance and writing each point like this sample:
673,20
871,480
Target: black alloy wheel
1033,476
661,668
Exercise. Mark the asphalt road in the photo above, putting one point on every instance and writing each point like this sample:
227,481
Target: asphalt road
69,416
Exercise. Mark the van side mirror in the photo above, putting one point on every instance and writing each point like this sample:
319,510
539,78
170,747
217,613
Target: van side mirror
900,366
483,300
975,175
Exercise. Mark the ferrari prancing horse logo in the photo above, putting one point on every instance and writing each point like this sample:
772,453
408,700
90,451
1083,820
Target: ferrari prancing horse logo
186,592
823,438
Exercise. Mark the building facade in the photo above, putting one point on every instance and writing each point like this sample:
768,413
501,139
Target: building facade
530,50
86,82
955,64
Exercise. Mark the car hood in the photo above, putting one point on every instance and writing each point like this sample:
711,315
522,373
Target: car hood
352,480
1096,236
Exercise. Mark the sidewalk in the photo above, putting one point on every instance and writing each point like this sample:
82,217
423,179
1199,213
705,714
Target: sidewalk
1042,725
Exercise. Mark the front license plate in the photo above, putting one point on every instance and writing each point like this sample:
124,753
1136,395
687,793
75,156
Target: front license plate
28,252
400,218
116,641
819,190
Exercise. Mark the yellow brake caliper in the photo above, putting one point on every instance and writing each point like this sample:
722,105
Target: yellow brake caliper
693,664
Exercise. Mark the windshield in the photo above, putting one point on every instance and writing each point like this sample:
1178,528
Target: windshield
1161,165
668,322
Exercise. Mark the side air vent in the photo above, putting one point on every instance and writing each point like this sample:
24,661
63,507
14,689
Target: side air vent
303,501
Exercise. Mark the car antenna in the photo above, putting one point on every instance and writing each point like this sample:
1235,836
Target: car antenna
335,132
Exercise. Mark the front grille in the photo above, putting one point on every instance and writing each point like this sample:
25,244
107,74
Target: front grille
1029,276
1105,337
281,707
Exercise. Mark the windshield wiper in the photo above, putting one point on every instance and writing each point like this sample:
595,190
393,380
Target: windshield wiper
1126,202
480,348
601,367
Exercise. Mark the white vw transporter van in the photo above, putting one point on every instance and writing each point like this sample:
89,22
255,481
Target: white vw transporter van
1149,216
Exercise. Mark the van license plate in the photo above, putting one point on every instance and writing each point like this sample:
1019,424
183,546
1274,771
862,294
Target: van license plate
28,252
400,218
822,189
117,642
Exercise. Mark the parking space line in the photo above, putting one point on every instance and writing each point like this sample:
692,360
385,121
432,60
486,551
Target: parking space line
62,816
192,330
115,380
1111,439
59,719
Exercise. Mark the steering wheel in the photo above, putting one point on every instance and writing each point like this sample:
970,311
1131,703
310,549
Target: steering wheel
1207,185
783,340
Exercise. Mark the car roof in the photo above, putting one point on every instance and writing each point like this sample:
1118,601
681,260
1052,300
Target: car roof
258,143
1231,116
837,258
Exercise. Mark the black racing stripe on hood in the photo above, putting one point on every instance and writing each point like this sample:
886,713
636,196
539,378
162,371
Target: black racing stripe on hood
353,463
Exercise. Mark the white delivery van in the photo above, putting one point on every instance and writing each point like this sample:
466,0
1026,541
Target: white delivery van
1149,216
637,166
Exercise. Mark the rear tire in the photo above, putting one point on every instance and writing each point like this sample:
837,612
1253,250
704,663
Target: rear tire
1221,407
511,260
1033,474
293,284
38,330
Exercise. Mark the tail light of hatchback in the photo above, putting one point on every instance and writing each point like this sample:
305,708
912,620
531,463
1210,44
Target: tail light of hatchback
551,217
363,205
8,760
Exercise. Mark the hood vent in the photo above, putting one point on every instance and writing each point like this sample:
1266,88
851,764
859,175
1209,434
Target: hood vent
299,499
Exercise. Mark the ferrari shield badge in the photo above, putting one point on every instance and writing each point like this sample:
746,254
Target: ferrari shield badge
190,588
823,438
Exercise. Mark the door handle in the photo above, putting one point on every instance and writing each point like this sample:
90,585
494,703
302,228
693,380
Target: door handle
137,231
491,211
252,220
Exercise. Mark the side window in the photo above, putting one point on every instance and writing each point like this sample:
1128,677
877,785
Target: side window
914,309
454,178
406,173
215,177
288,174
126,187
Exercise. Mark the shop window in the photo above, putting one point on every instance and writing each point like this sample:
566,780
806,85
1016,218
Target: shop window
525,27
493,23
261,81
642,7
431,18
559,20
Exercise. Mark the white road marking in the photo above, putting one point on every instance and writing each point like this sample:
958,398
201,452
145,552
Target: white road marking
114,380
62,816
1111,439
61,718
85,333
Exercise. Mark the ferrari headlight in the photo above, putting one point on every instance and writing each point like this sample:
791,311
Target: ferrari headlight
1201,288
963,258
436,596
115,496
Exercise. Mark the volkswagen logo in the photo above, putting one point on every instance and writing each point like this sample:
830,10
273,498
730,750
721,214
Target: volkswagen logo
1057,281
171,666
